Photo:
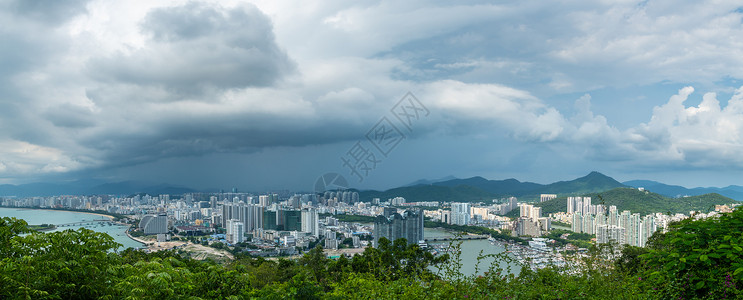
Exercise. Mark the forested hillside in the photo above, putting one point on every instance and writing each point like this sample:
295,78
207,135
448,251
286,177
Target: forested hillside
643,202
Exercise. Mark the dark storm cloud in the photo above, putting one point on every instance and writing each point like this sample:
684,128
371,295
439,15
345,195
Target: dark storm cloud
30,42
71,116
176,137
132,128
50,12
196,46
28,37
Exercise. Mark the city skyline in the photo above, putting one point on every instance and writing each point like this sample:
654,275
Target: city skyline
263,95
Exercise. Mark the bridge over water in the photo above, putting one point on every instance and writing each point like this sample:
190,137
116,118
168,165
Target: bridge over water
82,223
457,238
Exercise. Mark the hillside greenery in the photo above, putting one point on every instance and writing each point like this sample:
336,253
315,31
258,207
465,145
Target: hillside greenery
478,189
693,260
582,240
733,191
418,193
594,182
503,188
642,202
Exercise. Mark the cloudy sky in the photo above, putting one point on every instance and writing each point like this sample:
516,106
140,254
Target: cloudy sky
272,94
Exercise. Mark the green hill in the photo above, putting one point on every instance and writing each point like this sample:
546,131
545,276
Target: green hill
507,187
643,202
591,183
594,182
418,193
477,189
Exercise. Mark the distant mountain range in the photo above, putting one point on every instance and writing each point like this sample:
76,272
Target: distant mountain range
439,193
480,189
426,181
675,191
474,189
90,188
643,202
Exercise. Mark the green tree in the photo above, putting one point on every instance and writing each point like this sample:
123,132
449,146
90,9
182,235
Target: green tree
392,261
70,264
696,259
10,228
316,262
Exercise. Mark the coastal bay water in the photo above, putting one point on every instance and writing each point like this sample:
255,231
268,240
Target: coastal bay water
86,220
471,249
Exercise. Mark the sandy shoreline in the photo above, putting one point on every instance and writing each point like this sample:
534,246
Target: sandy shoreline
74,211
144,243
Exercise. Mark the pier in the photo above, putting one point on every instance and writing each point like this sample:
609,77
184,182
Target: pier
457,238
82,223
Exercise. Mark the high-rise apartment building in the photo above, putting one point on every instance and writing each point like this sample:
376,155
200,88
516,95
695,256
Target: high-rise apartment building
264,200
154,224
546,197
610,233
310,222
460,213
634,229
577,225
235,231
250,215
408,225
571,205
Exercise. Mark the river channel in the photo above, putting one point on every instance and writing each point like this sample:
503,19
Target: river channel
77,219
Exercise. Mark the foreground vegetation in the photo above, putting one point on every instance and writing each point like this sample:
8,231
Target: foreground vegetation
694,260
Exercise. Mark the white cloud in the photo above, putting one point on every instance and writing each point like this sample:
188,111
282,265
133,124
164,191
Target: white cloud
706,135
198,46
22,158
517,111
698,136
103,83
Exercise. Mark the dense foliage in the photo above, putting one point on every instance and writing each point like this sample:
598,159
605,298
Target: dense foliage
351,218
558,223
581,240
697,259
42,227
694,260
